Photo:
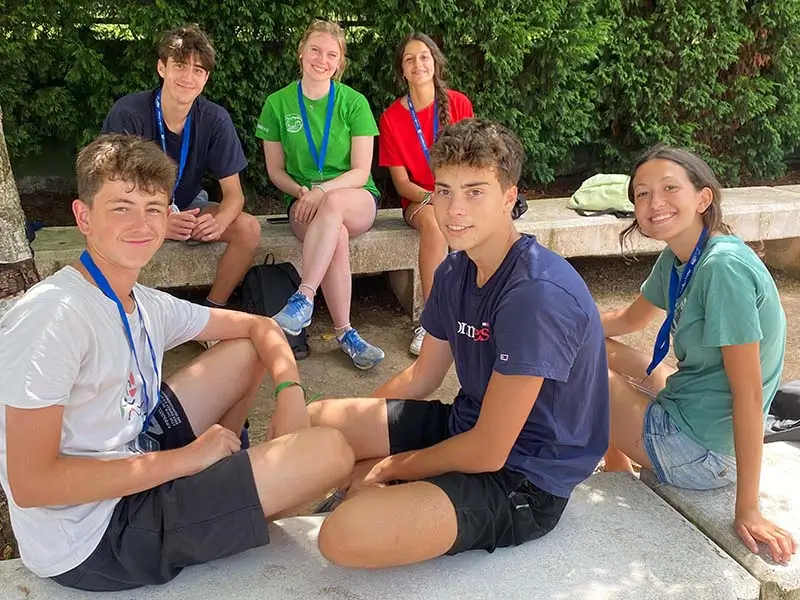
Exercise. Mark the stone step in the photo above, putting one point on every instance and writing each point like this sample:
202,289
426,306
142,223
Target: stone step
617,540
712,512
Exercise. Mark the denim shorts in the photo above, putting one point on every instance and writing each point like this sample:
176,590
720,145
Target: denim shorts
679,460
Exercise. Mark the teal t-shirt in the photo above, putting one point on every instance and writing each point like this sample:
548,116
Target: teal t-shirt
731,299
280,121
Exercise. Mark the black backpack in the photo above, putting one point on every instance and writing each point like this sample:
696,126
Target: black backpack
783,420
265,290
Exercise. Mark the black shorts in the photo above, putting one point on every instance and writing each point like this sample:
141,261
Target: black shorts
494,510
154,534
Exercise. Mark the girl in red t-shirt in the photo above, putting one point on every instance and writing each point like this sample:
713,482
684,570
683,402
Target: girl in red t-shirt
407,131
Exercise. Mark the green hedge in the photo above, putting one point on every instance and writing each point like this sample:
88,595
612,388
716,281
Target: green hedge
583,83
721,77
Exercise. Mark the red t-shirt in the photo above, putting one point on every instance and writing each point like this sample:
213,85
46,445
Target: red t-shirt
399,145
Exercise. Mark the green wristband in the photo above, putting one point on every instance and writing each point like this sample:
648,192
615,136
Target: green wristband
287,384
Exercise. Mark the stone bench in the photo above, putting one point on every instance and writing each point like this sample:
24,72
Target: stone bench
755,213
390,246
712,513
617,540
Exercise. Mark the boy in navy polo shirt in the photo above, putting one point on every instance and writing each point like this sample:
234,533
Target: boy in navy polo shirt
530,422
199,136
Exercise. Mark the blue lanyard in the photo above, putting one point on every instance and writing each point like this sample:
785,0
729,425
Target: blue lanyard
187,133
319,157
676,288
105,287
418,127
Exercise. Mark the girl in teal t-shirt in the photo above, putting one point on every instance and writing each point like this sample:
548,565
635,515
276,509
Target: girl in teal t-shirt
699,426
318,139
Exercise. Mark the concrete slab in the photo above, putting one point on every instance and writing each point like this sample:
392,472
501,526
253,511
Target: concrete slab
617,540
712,512
789,188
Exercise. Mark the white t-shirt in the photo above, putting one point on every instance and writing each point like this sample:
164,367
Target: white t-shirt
63,343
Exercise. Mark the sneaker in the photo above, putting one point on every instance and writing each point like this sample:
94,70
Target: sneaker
364,355
330,502
296,315
207,344
416,343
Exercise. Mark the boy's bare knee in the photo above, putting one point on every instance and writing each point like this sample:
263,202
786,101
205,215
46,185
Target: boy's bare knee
246,231
339,539
334,451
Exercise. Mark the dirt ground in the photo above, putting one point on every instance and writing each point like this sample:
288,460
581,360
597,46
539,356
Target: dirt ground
380,319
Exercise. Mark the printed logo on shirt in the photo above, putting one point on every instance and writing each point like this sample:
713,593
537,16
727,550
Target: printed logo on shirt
130,407
293,123
678,312
477,334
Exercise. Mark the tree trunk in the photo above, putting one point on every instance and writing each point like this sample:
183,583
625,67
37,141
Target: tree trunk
17,269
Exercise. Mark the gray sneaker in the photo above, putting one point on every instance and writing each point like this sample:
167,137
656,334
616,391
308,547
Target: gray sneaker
363,354
296,315
416,343
330,502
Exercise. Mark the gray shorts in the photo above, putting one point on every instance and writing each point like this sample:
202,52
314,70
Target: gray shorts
193,520
202,202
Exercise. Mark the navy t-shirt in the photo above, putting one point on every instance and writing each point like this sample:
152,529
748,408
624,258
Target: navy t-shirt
214,145
535,316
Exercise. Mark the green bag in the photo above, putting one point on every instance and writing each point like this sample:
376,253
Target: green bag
602,195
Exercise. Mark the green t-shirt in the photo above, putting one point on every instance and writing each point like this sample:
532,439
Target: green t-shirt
280,121
731,299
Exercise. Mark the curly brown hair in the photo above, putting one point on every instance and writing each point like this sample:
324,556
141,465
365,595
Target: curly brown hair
480,144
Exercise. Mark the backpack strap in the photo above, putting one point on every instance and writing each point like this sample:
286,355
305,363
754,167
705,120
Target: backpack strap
620,214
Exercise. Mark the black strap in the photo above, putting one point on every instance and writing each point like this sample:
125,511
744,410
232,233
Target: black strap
620,214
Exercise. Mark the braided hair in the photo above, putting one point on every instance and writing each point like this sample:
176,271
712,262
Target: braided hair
439,64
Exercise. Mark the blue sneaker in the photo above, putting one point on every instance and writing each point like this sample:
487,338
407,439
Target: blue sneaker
296,315
363,354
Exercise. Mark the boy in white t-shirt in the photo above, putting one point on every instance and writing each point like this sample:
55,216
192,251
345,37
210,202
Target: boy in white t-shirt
115,478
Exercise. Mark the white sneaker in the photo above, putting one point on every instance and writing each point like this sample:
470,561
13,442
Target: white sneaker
416,343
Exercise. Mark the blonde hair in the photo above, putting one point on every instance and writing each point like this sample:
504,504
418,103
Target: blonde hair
332,29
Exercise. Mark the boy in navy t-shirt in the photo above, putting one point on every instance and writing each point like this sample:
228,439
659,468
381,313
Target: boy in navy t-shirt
530,422
175,115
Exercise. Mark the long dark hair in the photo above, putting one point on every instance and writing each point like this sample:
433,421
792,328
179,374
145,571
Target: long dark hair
439,64
701,176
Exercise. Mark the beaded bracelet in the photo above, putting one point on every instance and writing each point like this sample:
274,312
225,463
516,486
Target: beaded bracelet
425,201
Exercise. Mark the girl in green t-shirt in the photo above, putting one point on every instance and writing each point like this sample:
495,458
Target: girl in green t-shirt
700,425
318,139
